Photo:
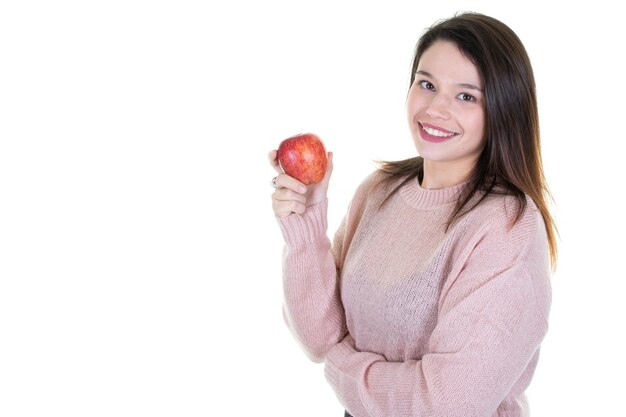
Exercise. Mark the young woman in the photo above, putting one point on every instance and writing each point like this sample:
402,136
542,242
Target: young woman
434,296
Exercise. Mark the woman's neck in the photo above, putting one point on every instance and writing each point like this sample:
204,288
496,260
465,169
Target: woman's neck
444,174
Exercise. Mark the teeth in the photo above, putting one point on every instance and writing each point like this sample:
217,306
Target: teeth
435,132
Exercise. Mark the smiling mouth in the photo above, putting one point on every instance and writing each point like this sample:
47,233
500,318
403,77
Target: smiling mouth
431,134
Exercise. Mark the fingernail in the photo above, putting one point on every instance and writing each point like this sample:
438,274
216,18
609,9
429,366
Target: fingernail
302,189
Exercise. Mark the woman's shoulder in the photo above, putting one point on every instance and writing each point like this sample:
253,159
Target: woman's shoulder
510,216
374,178
508,206
370,193
377,182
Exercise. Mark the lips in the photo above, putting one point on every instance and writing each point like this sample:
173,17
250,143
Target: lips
432,133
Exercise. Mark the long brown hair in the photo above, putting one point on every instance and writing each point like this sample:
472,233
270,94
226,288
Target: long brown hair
511,162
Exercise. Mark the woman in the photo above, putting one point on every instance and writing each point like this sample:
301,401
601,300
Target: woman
434,296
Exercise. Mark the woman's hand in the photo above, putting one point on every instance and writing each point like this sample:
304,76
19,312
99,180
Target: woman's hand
292,196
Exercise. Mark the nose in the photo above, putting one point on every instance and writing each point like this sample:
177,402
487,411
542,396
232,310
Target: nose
438,107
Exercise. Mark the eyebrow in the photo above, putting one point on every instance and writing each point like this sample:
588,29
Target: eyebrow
464,85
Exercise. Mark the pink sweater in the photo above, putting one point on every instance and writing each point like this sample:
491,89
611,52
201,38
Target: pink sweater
412,320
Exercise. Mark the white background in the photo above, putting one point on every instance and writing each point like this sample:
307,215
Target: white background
139,256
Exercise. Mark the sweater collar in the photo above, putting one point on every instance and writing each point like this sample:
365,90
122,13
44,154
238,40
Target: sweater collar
423,198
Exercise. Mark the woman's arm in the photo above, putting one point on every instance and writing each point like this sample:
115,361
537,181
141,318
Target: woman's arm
311,272
312,305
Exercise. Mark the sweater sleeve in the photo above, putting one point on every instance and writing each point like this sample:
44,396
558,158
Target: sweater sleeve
492,319
312,306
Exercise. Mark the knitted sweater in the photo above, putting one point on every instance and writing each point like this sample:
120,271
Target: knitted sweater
414,320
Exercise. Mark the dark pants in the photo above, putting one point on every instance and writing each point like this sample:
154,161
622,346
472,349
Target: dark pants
347,414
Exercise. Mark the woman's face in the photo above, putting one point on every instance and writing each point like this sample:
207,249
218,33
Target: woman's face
446,107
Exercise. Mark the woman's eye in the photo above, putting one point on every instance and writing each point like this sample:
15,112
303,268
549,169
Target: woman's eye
466,97
427,85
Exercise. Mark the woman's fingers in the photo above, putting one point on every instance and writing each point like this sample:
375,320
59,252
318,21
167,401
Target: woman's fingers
285,208
285,181
272,156
291,195
285,200
285,194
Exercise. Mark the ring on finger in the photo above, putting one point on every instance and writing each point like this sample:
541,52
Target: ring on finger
273,183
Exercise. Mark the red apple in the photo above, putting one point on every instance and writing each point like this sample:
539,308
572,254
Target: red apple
303,157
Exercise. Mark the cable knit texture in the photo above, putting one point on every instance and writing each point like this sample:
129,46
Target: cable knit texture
414,320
